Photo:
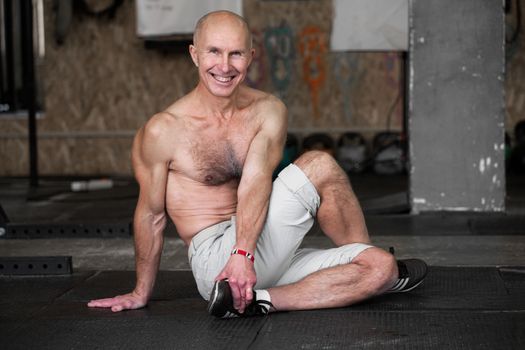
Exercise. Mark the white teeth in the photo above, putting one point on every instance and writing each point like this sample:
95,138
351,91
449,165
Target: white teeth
223,79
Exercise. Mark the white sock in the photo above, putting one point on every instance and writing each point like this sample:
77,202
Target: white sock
263,295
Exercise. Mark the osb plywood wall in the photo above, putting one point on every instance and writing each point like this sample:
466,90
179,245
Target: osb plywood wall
101,85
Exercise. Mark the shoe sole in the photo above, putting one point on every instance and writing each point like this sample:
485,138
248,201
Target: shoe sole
213,298
411,288
402,290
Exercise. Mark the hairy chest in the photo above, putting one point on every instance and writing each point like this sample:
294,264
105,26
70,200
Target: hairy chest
217,162
214,153
210,156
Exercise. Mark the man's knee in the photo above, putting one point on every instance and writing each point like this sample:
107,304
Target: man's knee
311,159
381,268
318,165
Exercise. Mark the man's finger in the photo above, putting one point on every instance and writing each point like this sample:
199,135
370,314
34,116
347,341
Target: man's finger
117,308
102,302
249,295
243,300
236,293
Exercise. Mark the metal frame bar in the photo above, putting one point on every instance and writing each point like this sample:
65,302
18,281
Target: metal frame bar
36,265
10,97
80,230
30,87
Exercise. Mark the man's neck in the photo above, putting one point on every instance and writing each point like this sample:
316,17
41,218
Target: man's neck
224,107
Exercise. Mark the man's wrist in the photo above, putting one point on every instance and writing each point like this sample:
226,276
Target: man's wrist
142,291
243,252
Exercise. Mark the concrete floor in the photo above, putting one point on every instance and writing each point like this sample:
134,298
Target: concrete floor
117,253
442,239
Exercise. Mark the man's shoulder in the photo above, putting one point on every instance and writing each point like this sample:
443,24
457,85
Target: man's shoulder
160,123
152,141
271,108
174,113
262,96
266,103
161,129
168,116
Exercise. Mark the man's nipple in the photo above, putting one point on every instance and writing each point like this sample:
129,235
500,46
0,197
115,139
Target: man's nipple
208,178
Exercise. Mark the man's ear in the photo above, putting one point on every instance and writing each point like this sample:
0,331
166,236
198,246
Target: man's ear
252,55
193,54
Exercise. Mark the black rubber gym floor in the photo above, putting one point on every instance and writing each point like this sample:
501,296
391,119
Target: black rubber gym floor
455,308
478,305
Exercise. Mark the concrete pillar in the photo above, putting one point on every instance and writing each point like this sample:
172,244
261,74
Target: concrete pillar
456,110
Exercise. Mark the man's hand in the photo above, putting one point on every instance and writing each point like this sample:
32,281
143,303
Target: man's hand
241,277
120,302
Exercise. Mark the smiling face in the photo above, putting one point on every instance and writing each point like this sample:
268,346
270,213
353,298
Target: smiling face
222,52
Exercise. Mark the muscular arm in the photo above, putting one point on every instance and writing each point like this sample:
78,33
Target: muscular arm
253,194
255,187
150,162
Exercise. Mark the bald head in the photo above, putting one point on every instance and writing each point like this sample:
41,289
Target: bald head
221,17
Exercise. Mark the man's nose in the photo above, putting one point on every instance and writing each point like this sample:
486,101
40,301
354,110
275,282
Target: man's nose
225,63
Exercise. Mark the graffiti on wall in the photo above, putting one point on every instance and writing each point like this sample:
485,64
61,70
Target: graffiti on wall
278,42
313,48
345,72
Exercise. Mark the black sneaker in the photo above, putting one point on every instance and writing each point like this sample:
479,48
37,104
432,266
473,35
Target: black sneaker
221,303
412,272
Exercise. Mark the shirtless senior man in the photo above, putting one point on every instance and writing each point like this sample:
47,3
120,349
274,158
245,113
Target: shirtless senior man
207,162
